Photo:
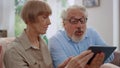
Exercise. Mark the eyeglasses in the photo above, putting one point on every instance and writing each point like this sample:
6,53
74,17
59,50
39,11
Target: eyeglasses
75,20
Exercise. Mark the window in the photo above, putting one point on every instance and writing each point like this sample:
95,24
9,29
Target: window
19,24
56,5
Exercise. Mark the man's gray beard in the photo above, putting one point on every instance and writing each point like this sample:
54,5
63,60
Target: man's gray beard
76,39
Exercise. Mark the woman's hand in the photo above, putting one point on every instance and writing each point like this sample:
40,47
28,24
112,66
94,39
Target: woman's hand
62,65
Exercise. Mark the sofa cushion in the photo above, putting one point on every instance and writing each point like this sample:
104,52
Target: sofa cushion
116,60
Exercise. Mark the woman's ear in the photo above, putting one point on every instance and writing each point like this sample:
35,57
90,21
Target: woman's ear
27,22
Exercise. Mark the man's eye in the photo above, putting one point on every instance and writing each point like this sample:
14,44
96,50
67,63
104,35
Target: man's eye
73,20
82,20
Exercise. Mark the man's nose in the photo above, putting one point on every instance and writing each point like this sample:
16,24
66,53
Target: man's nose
79,24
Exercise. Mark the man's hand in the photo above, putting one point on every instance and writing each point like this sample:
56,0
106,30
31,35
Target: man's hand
79,61
97,61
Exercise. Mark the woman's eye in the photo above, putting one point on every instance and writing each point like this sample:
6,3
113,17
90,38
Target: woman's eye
45,17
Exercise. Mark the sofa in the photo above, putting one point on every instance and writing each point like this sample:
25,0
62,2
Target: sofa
116,60
4,45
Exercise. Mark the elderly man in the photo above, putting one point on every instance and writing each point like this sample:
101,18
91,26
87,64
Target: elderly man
75,37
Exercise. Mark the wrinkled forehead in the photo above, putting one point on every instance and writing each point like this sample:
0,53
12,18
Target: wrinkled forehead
77,13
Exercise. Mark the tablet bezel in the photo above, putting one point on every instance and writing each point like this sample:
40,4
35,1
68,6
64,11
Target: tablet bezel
107,50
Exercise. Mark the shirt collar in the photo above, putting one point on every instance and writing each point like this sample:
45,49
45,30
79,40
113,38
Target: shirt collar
25,41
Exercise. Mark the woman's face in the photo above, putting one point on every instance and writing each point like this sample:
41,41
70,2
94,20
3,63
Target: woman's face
41,24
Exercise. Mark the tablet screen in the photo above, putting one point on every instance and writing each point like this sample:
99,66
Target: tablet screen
107,50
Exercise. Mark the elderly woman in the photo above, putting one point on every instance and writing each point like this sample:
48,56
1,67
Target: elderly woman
29,51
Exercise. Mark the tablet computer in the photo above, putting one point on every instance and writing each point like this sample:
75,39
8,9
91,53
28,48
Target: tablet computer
107,50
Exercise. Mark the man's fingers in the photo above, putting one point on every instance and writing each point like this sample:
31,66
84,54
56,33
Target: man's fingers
83,54
82,61
98,59
85,60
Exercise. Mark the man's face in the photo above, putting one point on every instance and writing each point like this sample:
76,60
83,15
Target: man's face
75,24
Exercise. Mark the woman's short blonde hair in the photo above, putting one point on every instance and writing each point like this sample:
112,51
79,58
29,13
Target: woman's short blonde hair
34,8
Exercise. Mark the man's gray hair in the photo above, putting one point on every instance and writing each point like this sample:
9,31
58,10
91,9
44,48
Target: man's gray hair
82,8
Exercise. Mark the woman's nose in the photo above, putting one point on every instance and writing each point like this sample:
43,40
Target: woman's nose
48,22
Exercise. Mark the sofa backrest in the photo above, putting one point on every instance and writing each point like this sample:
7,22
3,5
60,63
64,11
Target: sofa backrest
1,65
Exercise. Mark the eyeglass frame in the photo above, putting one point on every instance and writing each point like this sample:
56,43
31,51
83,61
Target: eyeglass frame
76,21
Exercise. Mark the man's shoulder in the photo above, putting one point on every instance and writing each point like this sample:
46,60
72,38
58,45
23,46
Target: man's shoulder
58,34
91,31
